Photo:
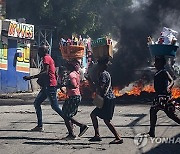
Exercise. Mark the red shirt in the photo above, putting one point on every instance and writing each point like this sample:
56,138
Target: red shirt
52,69
75,80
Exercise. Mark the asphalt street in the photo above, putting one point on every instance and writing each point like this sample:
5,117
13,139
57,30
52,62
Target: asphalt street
129,120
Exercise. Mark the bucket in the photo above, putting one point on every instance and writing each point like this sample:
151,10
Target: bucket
163,50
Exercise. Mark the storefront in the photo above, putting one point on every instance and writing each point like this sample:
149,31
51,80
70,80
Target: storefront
15,55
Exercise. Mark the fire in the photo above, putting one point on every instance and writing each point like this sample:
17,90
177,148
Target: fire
117,92
135,91
148,88
176,92
61,96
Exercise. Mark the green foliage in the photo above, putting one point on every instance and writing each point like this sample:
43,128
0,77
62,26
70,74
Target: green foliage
92,17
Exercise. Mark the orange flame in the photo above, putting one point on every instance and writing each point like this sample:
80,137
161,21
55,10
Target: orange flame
135,91
117,92
148,88
176,92
61,96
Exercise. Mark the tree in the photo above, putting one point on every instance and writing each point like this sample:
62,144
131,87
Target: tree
80,16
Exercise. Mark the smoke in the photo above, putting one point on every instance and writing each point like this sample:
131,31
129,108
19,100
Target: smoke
130,27
137,4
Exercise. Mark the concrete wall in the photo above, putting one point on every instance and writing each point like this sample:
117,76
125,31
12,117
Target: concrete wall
33,83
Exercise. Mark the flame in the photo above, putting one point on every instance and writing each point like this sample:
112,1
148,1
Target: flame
61,96
176,92
148,88
117,92
136,90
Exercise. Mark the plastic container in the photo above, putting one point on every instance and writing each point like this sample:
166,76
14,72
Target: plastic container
163,50
98,42
101,42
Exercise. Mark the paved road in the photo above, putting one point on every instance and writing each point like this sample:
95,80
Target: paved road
15,137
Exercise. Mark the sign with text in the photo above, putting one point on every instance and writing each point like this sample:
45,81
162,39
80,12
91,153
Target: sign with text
23,59
3,57
21,30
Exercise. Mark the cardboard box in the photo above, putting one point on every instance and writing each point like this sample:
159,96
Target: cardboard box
102,51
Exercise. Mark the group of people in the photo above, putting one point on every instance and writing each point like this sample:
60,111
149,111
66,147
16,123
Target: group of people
47,79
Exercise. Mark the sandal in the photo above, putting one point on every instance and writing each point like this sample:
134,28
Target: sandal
116,141
95,139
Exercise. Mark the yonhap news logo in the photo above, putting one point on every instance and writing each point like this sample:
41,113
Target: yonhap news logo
141,140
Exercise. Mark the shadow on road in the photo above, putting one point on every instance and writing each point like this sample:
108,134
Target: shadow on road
132,124
173,147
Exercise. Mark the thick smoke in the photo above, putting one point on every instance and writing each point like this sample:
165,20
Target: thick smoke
132,27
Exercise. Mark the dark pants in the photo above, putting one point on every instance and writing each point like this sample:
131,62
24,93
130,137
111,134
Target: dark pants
50,93
168,109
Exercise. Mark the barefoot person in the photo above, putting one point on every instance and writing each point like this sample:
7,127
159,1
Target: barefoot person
70,106
106,112
47,81
163,84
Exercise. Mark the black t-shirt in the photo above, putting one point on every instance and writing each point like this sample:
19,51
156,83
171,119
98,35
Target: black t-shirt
161,82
